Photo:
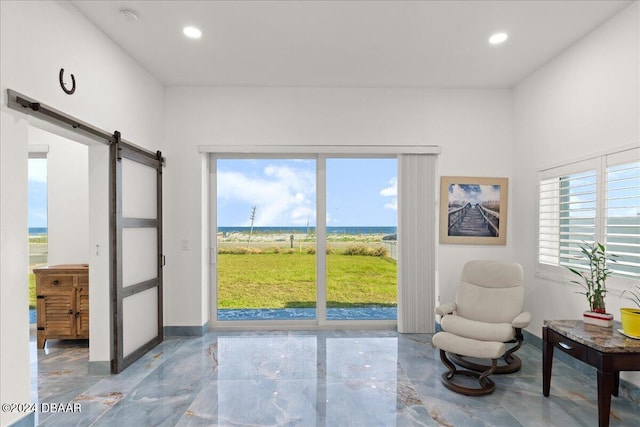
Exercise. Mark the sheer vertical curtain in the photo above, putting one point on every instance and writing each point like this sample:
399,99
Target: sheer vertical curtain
416,243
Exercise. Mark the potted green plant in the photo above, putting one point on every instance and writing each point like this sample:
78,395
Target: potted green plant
630,317
593,282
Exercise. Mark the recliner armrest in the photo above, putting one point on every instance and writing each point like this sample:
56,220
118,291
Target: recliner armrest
522,320
447,308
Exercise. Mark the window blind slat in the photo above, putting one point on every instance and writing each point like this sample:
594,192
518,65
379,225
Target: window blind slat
622,228
566,215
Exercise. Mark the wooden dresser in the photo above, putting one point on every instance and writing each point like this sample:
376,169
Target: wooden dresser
62,302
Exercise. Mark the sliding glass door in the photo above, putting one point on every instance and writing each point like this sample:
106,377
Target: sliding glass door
267,261
266,238
361,240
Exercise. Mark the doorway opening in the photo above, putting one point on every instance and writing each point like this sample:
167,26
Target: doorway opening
58,210
58,221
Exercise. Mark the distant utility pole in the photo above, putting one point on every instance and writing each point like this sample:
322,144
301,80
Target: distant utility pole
252,217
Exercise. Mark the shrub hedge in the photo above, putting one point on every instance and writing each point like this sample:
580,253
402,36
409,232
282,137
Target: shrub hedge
358,250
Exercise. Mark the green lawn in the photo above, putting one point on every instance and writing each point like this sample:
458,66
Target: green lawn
286,280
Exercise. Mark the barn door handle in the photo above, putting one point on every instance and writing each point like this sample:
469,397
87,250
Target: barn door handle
70,312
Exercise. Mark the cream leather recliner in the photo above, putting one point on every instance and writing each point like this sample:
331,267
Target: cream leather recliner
489,307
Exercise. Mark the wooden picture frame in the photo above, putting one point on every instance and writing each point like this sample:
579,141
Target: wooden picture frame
473,210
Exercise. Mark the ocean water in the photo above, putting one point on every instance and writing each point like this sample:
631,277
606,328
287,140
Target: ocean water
36,231
351,230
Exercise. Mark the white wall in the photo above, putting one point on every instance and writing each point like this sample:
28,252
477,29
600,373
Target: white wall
67,197
585,101
473,127
14,264
114,93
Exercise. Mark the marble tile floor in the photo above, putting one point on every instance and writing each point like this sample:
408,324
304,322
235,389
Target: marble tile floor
296,378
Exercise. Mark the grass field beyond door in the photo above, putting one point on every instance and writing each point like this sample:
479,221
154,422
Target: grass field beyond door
287,279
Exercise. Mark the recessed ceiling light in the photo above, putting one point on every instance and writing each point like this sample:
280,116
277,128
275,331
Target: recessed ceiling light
498,38
192,32
128,15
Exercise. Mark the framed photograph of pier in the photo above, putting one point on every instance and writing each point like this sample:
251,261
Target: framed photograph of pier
473,211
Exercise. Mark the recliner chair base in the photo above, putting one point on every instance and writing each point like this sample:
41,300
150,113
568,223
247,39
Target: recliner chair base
453,344
487,386
513,364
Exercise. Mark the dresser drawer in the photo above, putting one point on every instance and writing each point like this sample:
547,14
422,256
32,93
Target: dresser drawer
55,281
83,280
572,348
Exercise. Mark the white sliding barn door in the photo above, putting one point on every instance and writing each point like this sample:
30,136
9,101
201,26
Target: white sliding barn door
136,193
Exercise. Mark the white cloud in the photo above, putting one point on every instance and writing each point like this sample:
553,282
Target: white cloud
393,205
473,194
282,196
391,191
301,214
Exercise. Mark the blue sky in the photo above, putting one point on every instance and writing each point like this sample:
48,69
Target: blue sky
360,192
37,193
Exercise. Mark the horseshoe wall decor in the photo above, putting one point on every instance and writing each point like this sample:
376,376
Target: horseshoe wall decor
63,86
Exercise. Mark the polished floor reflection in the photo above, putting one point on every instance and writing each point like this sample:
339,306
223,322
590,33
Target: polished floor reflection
294,378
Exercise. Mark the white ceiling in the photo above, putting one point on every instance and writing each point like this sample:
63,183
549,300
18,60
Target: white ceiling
347,43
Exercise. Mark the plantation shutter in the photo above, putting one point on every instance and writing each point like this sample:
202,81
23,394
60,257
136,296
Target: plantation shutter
549,221
622,212
567,212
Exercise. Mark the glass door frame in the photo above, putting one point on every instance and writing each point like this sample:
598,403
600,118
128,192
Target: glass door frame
320,155
214,323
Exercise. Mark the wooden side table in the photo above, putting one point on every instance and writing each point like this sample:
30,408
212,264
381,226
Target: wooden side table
606,349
